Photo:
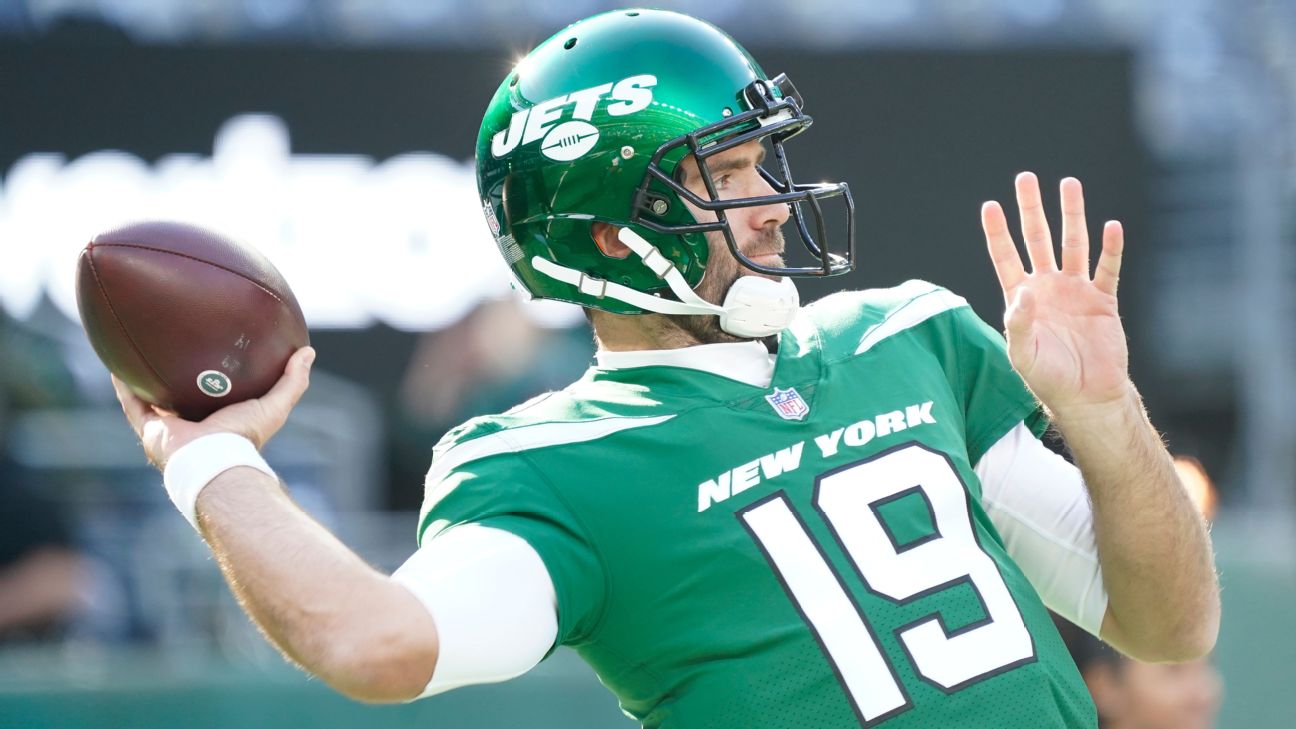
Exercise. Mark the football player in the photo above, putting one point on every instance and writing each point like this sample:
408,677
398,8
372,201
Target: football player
748,513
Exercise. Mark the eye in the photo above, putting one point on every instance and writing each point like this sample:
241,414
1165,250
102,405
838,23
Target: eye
722,182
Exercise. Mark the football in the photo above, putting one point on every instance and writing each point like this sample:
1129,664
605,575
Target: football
189,319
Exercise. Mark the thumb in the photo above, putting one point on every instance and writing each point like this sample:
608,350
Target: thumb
1018,322
290,388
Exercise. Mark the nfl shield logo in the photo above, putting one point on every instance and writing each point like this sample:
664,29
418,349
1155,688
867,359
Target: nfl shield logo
491,220
788,404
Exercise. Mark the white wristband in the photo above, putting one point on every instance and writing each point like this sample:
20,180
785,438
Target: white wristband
191,468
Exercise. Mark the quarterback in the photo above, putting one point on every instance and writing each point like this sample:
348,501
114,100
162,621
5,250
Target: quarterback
748,512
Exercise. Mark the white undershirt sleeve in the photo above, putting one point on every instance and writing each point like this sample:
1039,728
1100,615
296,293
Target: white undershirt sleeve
1040,506
492,601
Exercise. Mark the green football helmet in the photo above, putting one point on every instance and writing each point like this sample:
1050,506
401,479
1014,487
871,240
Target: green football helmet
592,126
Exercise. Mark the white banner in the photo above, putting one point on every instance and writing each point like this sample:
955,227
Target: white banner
401,241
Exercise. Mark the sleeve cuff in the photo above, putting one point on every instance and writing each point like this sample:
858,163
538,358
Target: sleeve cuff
196,463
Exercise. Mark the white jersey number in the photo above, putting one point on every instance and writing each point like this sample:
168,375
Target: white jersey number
849,500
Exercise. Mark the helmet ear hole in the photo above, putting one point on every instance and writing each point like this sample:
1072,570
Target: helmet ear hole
605,237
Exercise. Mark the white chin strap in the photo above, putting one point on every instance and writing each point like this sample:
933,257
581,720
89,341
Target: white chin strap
754,307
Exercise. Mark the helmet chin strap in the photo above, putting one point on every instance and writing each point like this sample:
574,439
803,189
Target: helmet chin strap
757,307
754,307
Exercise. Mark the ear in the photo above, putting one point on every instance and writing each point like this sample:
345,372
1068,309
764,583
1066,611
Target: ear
605,237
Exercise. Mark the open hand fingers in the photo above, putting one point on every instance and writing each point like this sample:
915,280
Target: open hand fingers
1035,229
1075,236
1109,262
1003,254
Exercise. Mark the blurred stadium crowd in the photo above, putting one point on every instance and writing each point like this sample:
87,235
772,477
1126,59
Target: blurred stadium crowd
92,554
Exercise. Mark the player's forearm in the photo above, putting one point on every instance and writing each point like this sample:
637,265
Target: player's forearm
313,597
1158,567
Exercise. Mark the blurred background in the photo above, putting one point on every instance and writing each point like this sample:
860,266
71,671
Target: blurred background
337,136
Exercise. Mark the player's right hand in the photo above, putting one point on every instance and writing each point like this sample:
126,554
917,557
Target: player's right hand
162,433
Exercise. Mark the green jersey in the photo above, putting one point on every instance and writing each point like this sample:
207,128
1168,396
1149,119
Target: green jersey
812,554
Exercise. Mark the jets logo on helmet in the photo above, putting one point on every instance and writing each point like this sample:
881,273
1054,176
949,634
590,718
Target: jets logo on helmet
572,139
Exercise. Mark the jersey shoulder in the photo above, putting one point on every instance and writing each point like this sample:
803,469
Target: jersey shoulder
490,455
483,472
574,408
849,323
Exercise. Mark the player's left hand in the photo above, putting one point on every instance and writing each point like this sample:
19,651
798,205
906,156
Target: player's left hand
1064,333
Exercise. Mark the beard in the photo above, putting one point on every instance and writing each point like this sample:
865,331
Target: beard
721,272
702,327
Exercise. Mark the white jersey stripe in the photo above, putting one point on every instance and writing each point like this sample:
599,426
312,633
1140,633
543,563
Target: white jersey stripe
928,301
524,438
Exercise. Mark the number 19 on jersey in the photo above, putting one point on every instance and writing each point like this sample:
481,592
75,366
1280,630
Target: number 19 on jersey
849,500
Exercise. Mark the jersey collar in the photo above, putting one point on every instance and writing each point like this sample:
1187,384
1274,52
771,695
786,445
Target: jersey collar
746,362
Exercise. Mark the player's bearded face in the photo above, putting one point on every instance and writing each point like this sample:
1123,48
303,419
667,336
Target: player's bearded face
722,270
757,231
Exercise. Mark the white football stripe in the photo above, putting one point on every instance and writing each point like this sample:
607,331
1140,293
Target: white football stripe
928,301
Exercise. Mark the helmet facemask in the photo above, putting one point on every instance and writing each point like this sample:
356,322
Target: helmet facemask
774,116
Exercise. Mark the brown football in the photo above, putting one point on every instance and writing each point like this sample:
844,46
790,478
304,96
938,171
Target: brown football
191,320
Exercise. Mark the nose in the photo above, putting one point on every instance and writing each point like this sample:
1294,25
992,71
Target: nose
774,213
